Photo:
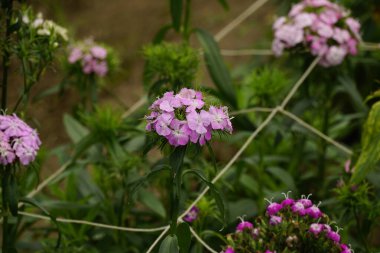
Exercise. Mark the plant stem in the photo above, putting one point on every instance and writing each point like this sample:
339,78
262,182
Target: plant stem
8,5
4,189
186,23
325,129
176,162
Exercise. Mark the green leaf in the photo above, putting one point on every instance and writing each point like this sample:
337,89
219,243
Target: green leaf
160,35
370,155
169,245
248,182
152,202
214,191
74,129
224,4
83,145
284,176
216,66
176,13
13,195
32,202
184,237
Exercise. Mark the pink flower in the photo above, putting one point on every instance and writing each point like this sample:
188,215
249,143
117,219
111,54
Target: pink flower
297,9
198,121
330,16
75,55
99,52
314,212
353,25
162,125
179,135
289,34
244,225
192,215
303,20
341,36
229,250
278,47
323,29
279,22
299,208
306,202
273,208
334,236
275,220
18,141
316,228
181,118
334,56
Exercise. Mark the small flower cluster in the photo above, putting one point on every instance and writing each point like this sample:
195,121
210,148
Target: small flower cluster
184,117
44,27
325,28
288,225
91,57
192,215
17,141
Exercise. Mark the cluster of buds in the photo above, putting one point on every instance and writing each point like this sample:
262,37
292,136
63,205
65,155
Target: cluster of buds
185,117
43,27
90,57
289,225
18,141
325,28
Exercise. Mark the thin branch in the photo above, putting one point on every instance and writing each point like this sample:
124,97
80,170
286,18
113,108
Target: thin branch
238,20
201,241
245,52
135,107
100,225
300,81
316,131
158,240
255,109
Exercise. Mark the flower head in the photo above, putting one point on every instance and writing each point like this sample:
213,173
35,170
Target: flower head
184,117
91,58
243,226
325,28
18,142
192,215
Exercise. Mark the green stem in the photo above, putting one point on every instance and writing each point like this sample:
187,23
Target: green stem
8,6
186,23
325,129
4,188
176,162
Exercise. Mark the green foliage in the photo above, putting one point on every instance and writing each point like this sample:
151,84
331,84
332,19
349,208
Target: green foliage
370,154
262,87
170,64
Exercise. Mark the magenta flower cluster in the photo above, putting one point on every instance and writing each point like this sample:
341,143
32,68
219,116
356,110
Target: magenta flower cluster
290,221
301,207
18,141
325,28
92,58
184,117
192,215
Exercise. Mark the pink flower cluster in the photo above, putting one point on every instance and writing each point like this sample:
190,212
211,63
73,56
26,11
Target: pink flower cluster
182,118
325,230
325,28
92,58
302,207
17,141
